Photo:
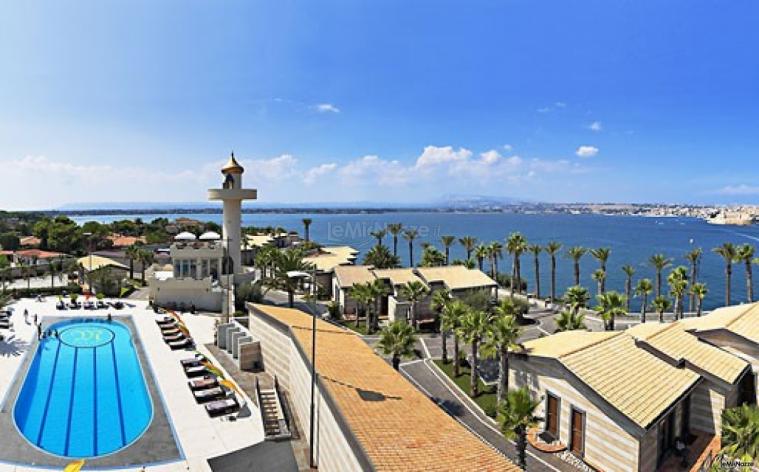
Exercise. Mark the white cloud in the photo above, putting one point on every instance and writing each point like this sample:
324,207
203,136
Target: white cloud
507,147
312,174
740,189
490,157
373,170
586,151
544,110
435,155
560,105
595,126
326,108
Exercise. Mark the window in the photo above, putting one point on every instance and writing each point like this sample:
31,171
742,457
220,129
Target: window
577,437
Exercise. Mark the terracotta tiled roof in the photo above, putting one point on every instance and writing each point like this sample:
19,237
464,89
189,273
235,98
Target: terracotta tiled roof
399,428
119,240
38,253
27,241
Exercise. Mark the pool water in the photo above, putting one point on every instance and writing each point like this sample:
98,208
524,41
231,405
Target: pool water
84,394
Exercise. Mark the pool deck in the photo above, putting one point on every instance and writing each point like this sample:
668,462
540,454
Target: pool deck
199,437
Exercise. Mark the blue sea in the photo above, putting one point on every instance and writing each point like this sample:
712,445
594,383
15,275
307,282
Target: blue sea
632,240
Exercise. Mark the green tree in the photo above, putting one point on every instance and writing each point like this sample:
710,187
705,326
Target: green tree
517,416
694,259
729,254
629,272
661,305
377,289
599,275
502,335
440,299
468,243
536,249
481,253
568,321
284,262
699,291
381,258
552,249
740,433
453,313
307,228
132,253
678,286
364,297
610,306
432,257
146,258
745,254
576,253
601,254
644,289
379,235
474,327
659,262
9,241
410,235
447,242
395,229
495,249
414,291
576,298
516,245
397,341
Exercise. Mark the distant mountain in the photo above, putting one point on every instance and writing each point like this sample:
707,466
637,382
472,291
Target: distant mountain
164,206
477,201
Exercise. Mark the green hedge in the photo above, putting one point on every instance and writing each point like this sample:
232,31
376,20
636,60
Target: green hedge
45,291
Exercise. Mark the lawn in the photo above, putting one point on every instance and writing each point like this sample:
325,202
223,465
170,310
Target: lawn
487,397
351,325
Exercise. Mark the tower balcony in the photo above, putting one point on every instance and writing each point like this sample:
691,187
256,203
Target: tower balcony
232,194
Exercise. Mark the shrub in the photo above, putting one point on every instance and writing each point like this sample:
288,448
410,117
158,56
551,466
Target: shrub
249,292
45,291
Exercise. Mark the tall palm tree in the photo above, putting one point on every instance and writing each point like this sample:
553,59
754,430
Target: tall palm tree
440,299
599,275
536,249
381,258
699,291
517,416
601,254
468,243
379,235
659,263
694,259
397,340
729,254
553,248
745,254
644,289
678,285
395,229
576,253
495,249
363,296
629,272
410,235
661,304
414,292
503,333
576,298
377,290
307,228
516,244
146,258
132,253
452,315
569,321
474,327
481,253
447,241
285,262
610,305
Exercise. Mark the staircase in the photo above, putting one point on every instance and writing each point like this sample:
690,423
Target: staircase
272,414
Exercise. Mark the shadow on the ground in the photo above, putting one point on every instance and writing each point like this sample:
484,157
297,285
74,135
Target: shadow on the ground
13,347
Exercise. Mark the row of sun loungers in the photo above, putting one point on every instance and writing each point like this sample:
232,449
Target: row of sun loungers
205,387
172,335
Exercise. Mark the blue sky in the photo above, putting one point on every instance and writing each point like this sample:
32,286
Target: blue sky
380,101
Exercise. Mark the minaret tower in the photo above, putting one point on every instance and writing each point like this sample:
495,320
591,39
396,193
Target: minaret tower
232,194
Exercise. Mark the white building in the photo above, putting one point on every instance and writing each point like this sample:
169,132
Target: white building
203,269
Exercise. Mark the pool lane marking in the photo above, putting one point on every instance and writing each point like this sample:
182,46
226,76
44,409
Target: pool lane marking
71,403
95,400
118,394
49,393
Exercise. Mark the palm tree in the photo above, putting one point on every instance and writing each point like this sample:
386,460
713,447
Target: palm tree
495,249
432,257
661,304
553,248
377,290
450,321
576,253
380,257
410,235
569,321
517,416
644,289
536,249
447,242
629,272
576,298
699,291
745,253
610,305
729,253
516,244
306,228
379,235
468,242
659,263
469,263
599,275
474,327
678,284
363,296
481,252
397,340
740,433
601,254
414,292
395,229
132,253
502,336
146,258
694,258
285,262
440,299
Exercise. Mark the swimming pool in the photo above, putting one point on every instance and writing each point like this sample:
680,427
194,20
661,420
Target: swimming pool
84,394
